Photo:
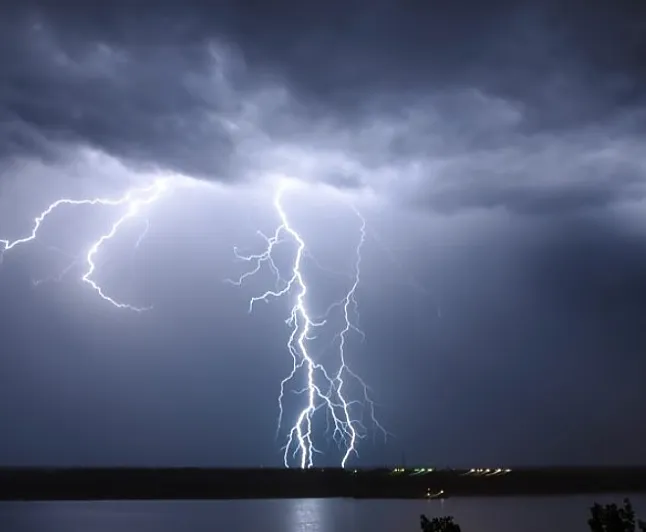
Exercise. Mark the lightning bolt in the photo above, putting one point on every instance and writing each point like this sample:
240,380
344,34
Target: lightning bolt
350,305
132,202
323,389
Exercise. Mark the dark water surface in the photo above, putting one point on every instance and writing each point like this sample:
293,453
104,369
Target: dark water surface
513,514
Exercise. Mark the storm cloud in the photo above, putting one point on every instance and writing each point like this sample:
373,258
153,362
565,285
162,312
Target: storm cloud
516,105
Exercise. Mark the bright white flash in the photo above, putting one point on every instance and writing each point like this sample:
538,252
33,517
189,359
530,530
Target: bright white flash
324,390
131,204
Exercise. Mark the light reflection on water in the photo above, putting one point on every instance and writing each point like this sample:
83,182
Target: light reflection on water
517,514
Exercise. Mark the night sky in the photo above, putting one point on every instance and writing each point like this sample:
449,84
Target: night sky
497,151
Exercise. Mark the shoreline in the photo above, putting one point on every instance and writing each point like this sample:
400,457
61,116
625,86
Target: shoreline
59,484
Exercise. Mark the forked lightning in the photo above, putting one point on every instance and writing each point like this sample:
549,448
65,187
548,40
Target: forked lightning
131,203
324,390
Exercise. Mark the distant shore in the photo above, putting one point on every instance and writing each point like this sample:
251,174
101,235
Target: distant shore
192,483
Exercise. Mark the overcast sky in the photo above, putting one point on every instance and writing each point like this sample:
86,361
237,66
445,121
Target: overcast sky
495,150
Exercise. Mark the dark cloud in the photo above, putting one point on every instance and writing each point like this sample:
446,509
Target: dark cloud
226,92
553,176
140,103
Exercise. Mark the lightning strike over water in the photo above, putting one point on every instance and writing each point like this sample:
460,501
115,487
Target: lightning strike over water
134,200
324,390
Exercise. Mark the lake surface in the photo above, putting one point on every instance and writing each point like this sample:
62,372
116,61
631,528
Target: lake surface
513,514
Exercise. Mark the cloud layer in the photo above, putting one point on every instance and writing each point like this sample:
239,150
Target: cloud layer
518,106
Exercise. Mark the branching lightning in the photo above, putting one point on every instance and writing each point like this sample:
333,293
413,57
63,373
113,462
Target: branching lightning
132,203
324,390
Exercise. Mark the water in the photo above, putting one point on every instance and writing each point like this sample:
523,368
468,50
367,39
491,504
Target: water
517,514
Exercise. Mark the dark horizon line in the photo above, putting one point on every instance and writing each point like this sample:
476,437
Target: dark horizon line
261,483
5,467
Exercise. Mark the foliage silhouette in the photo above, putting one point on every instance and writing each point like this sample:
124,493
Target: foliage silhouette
606,518
438,524
612,518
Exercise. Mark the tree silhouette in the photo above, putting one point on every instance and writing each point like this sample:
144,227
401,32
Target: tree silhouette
612,518
438,524
606,518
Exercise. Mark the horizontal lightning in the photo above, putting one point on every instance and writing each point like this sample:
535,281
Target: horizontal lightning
133,201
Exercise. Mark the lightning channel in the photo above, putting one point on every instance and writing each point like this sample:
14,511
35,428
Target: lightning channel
323,389
132,204
350,307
